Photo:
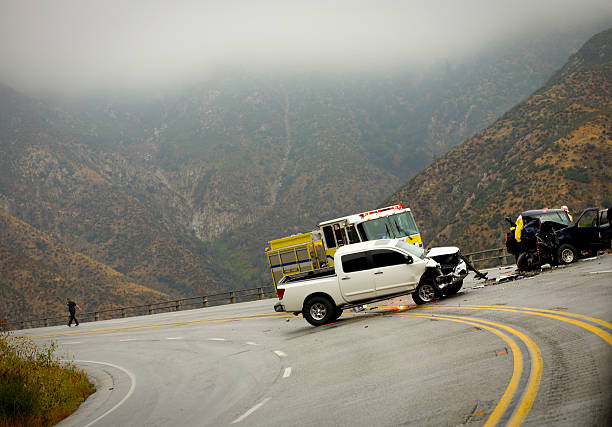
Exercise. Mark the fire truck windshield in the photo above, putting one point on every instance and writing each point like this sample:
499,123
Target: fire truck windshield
405,224
392,226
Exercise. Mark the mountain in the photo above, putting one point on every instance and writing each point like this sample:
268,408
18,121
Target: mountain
553,149
96,201
180,192
37,274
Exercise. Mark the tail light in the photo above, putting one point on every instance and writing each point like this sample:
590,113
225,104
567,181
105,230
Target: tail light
280,293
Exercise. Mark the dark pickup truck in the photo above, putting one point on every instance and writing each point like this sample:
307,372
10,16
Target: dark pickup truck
548,236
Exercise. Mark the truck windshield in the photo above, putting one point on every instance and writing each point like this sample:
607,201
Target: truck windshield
410,248
560,217
405,224
393,226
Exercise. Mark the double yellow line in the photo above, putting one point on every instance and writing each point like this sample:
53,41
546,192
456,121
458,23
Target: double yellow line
536,366
552,314
535,375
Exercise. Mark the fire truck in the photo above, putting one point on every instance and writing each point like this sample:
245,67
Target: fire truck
311,251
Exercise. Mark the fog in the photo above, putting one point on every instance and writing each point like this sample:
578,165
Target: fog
79,45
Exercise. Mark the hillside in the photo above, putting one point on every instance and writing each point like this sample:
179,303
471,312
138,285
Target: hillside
553,149
181,191
97,201
37,274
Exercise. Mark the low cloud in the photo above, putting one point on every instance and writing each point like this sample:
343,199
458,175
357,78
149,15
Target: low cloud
78,45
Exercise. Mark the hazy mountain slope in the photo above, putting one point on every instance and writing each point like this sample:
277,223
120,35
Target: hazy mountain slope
181,192
553,149
37,274
96,201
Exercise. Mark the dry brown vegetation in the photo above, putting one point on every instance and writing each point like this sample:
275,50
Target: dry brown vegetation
553,149
37,274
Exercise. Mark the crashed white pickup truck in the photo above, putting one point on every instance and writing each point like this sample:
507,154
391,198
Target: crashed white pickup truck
367,272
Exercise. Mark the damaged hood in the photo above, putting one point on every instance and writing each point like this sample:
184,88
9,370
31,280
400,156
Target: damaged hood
444,250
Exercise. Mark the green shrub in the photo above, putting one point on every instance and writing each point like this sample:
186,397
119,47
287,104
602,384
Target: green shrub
35,388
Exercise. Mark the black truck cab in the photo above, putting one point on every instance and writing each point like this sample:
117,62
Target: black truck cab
590,233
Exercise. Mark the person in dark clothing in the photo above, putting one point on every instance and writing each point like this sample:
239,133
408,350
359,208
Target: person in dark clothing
72,306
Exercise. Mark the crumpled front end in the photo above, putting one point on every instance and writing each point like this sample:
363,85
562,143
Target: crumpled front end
452,265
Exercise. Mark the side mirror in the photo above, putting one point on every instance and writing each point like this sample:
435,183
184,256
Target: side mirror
409,259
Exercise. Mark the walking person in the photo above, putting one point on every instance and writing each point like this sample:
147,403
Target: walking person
72,306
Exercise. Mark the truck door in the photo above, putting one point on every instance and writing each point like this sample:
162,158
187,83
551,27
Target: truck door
586,234
392,273
357,277
605,230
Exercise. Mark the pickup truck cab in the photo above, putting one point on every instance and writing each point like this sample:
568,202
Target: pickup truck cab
589,234
363,272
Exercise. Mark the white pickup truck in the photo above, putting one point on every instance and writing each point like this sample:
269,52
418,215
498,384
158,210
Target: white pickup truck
367,272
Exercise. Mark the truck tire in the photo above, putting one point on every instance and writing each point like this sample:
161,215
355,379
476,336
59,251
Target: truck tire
453,289
522,263
426,292
566,254
319,311
338,313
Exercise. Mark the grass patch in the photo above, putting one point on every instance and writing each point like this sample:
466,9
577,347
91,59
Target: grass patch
35,388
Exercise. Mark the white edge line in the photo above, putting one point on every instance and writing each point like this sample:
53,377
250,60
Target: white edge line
128,339
287,373
70,342
126,397
174,338
280,353
216,339
250,411
251,343
601,272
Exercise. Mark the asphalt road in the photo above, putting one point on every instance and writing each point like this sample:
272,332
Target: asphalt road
536,351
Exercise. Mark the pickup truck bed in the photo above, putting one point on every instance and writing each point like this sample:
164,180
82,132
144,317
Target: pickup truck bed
313,274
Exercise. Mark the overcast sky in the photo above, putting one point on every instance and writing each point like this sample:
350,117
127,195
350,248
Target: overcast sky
78,45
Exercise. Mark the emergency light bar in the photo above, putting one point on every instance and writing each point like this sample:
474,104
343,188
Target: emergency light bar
398,206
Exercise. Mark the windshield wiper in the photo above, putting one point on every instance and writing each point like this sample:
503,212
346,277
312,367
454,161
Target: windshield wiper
388,231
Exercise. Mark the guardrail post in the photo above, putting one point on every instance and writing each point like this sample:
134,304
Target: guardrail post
204,301
149,309
232,297
22,325
46,322
261,293
177,305
96,316
500,257
123,312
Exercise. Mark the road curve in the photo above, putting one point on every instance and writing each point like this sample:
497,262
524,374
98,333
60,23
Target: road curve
536,351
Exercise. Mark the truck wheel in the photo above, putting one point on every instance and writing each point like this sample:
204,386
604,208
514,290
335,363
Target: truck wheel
523,263
425,292
338,313
319,311
453,289
567,254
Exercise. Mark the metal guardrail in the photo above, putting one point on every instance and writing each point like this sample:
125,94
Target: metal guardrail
230,297
480,259
490,258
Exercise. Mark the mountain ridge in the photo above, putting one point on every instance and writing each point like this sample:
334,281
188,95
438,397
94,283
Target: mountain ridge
181,192
552,149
